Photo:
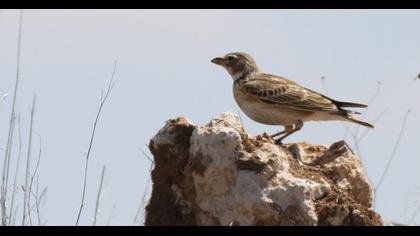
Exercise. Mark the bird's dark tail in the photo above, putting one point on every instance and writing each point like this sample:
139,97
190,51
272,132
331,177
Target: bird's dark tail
349,104
346,113
360,122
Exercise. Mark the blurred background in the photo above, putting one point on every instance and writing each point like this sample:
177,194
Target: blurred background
164,71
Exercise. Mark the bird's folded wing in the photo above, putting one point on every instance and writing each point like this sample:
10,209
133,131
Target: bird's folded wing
280,91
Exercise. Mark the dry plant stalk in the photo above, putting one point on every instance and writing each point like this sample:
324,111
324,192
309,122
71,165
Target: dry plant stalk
98,198
16,172
6,164
32,181
103,100
140,209
28,166
394,151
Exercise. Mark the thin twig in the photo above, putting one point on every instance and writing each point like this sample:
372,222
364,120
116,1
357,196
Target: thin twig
374,122
369,103
347,130
143,198
413,216
142,204
3,196
357,142
103,100
3,97
14,215
37,201
98,198
34,205
139,209
371,100
17,169
393,151
8,158
28,162
240,118
111,215
359,154
144,154
43,195
324,85
417,210
32,179
406,195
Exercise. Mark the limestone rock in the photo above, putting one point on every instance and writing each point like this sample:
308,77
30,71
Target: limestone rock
217,174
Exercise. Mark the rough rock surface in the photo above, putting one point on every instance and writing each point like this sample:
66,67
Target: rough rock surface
217,174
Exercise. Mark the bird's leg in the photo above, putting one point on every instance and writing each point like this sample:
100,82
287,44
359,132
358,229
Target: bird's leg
290,130
287,128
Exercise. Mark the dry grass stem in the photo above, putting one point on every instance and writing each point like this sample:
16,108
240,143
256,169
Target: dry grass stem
98,198
103,100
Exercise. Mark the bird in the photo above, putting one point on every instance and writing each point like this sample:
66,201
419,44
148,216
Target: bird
274,100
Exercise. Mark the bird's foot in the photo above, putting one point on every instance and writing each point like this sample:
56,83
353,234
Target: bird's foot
279,142
265,135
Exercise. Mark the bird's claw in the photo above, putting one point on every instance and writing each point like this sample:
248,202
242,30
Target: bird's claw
278,142
265,135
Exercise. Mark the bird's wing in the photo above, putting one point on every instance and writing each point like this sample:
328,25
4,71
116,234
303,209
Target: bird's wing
280,91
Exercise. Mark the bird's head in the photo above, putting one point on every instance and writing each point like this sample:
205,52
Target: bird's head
237,64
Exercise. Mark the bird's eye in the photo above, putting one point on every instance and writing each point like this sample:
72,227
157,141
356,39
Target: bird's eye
231,58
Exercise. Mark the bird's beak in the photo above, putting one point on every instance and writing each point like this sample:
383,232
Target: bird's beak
218,61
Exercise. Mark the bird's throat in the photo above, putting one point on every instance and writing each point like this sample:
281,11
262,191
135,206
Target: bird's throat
237,75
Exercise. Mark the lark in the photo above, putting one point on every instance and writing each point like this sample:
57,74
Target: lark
274,100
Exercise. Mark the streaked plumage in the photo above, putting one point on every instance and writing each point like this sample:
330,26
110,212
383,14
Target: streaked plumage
274,100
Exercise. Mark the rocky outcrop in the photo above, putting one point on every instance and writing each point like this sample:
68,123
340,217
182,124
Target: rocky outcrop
217,174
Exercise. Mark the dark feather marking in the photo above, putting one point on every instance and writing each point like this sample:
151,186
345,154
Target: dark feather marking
240,79
283,92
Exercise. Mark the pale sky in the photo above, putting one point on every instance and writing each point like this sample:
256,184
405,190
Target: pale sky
164,71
